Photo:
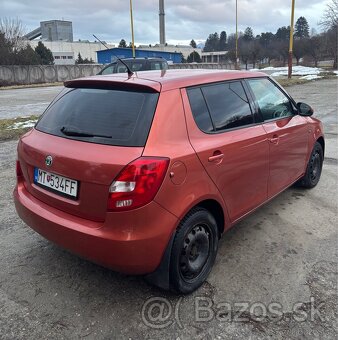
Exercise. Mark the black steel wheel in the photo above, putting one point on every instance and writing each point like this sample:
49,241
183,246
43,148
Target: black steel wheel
194,251
314,168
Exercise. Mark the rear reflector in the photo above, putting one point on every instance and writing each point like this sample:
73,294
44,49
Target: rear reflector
18,169
137,184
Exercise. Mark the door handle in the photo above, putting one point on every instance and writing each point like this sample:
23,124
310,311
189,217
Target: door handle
216,158
274,139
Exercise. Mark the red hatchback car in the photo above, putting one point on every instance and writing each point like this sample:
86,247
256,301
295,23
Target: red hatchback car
143,174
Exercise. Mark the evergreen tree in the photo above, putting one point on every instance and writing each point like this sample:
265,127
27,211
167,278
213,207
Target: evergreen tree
223,41
194,57
302,28
5,50
88,61
123,43
193,43
79,59
20,55
212,43
283,34
183,60
266,39
45,54
27,56
248,34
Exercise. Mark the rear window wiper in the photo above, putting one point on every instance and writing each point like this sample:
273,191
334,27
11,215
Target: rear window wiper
79,133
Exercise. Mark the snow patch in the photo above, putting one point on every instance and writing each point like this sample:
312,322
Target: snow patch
296,71
22,125
311,77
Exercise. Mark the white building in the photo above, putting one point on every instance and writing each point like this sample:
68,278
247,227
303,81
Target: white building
65,53
214,57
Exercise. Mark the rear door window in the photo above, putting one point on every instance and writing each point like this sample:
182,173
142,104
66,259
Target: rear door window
200,110
103,116
228,104
220,107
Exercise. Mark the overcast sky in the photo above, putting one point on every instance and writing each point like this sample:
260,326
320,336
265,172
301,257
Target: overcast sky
109,19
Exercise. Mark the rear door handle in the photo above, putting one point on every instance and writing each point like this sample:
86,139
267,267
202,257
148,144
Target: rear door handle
216,158
274,139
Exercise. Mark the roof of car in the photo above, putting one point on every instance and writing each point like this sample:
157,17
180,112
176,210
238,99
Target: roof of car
138,59
165,80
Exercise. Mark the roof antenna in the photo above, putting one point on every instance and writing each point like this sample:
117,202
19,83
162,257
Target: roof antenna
130,72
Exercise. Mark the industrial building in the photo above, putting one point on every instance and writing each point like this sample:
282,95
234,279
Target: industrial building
108,55
57,35
65,53
53,30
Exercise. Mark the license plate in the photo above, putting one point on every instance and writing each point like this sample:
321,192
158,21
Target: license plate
55,182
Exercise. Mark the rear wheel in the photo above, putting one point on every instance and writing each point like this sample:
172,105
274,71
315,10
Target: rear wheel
194,251
314,168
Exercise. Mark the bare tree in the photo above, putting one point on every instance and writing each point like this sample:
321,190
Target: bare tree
300,48
245,53
329,40
13,31
314,48
255,52
330,17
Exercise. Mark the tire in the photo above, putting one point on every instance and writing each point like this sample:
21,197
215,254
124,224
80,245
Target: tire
314,168
194,251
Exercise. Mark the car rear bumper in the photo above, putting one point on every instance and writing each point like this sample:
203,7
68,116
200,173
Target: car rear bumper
128,242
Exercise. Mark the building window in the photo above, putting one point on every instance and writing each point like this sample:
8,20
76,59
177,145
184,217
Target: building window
64,57
57,57
70,57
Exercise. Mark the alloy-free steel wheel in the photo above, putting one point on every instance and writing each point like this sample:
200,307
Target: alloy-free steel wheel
314,168
194,251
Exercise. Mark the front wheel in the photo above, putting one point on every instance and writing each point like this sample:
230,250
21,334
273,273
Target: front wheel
314,168
194,251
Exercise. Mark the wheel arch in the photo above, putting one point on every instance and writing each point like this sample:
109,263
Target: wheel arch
321,141
160,277
215,208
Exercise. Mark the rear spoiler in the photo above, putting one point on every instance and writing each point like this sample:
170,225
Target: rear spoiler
115,83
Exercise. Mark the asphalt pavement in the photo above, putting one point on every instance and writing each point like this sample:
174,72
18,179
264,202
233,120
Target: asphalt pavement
275,275
27,101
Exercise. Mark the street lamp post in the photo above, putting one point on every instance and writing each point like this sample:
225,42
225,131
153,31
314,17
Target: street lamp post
291,39
236,66
132,28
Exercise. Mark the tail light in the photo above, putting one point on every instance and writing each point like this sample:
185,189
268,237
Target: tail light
137,184
18,169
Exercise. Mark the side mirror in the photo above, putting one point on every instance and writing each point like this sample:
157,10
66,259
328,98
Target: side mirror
304,109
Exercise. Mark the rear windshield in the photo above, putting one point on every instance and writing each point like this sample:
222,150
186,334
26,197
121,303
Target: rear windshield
102,116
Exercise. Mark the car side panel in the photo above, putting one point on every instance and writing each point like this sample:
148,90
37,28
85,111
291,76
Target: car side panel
315,132
186,183
242,176
288,155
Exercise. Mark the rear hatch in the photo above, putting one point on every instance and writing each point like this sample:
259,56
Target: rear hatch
81,143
